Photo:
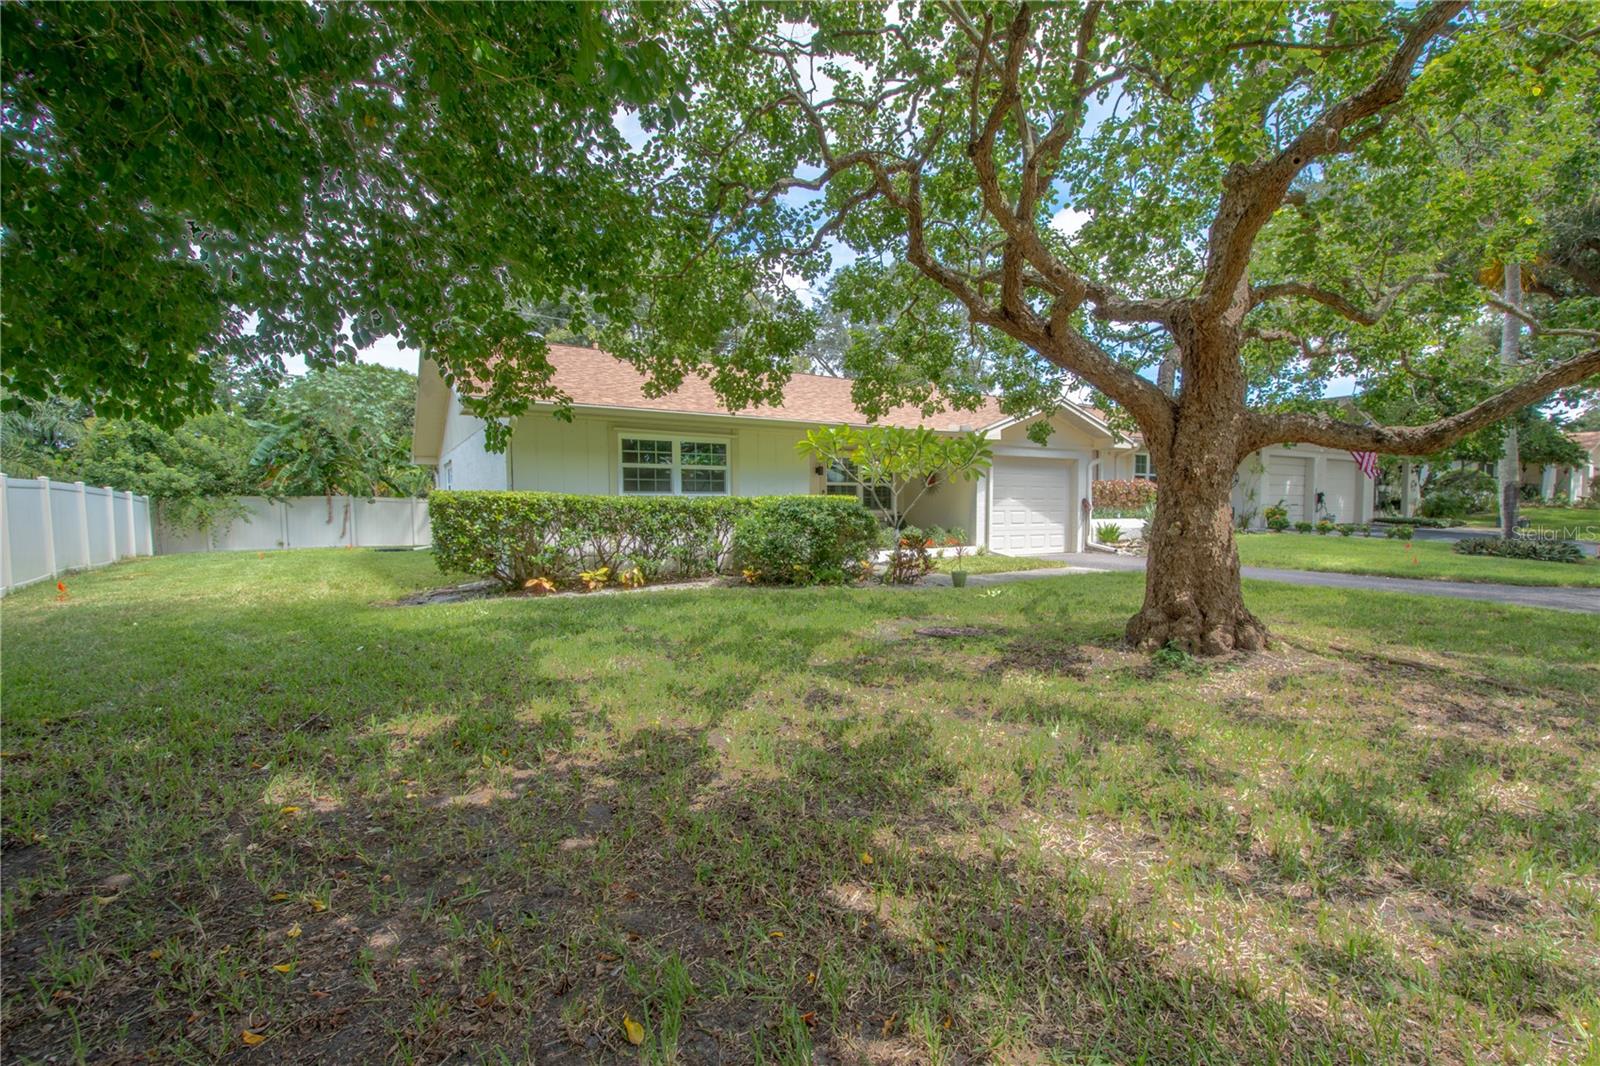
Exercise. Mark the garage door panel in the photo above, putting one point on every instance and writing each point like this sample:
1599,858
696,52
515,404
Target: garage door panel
1286,481
1031,506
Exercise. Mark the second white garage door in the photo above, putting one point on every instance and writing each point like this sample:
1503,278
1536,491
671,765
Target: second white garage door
1286,482
1031,511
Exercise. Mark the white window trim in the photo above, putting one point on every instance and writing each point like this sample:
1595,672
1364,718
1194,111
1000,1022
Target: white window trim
1149,467
677,437
857,490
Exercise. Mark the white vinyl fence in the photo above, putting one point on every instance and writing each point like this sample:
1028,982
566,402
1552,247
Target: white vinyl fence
307,522
49,527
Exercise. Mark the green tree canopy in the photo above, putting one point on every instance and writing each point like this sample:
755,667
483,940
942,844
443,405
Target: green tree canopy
346,429
192,183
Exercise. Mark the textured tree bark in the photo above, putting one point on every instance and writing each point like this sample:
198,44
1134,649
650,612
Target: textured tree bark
1192,598
1191,588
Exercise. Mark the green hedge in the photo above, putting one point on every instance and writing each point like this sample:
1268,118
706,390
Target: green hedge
1547,551
517,536
805,540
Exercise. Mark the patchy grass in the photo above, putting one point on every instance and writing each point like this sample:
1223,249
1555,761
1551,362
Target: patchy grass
1579,523
991,563
1428,559
241,795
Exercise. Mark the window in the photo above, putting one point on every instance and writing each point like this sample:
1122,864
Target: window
447,474
666,466
1142,468
842,482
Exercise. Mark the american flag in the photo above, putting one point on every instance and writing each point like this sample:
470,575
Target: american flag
1367,461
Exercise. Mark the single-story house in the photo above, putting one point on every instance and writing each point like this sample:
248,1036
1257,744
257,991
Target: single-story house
1309,481
1034,499
1575,481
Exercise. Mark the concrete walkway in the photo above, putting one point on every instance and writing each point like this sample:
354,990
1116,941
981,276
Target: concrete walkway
1586,600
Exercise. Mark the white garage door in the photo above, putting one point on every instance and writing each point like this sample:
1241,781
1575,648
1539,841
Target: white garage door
1286,481
1341,489
1032,508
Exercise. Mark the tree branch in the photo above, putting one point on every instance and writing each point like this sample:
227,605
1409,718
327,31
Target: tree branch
1261,294
1252,193
1262,429
1535,327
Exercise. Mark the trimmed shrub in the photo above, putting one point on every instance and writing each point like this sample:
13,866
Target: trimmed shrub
1546,551
1404,531
804,540
1415,522
1124,498
517,537
1303,527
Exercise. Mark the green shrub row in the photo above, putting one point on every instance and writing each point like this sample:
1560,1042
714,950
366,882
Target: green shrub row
1548,551
805,540
515,537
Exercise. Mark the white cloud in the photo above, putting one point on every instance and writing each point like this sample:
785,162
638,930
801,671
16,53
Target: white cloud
1068,221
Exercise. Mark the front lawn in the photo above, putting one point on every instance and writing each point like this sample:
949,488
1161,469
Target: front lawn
1392,558
251,811
991,563
1579,523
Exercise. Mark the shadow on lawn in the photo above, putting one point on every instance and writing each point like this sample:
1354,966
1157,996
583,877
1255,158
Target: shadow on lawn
834,913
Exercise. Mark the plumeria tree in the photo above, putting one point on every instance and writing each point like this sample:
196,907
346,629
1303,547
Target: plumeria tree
897,464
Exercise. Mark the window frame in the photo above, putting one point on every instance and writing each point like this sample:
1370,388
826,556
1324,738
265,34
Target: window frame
1149,467
675,468
882,493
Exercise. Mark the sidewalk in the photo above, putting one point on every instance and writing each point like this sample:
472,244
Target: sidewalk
1585,600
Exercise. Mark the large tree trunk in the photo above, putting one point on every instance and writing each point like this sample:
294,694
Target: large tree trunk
1191,590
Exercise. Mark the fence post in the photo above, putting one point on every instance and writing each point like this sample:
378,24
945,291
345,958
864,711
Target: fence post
83,523
49,529
149,541
5,535
127,509
350,509
111,521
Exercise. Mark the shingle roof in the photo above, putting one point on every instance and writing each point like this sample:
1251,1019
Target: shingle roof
594,378
1588,440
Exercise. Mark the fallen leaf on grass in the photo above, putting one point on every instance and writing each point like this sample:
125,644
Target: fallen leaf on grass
284,967
294,931
318,906
776,934
632,1030
866,859
290,810
277,897
252,1039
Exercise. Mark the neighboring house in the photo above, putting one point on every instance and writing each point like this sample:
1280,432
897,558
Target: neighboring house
1310,482
1034,499
1575,481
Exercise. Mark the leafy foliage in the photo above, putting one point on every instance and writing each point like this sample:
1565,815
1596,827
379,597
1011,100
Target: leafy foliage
908,462
805,540
1550,551
245,182
344,430
518,537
